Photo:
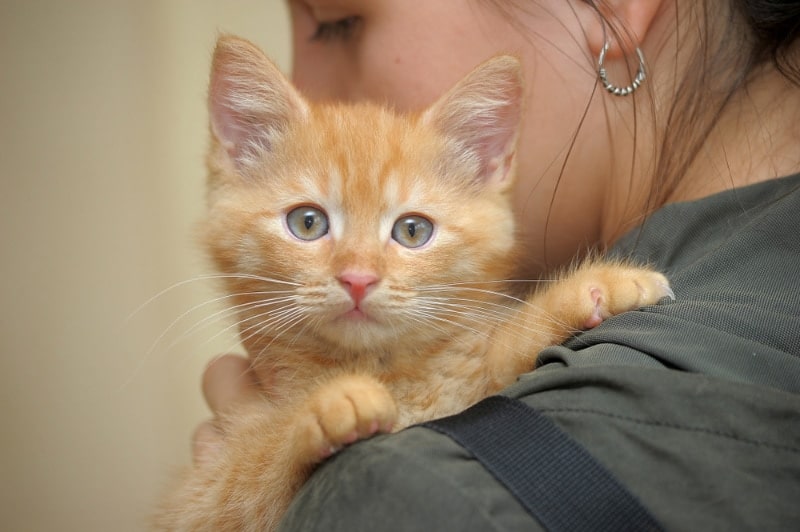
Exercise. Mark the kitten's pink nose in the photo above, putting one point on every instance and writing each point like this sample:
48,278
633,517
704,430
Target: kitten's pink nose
358,284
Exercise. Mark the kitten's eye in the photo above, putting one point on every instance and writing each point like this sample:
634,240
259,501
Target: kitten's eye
412,231
307,223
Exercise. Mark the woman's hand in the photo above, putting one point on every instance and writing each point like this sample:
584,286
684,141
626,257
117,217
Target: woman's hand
227,380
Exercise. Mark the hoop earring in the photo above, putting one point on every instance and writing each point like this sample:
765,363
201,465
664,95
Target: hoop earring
610,87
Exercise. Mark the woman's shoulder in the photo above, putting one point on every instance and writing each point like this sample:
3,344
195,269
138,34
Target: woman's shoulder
733,261
648,428
679,234
416,479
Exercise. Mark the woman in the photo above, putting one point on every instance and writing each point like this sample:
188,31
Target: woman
682,162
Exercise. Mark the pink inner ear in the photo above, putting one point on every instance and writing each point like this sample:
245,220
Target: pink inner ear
482,113
242,118
250,102
225,123
496,142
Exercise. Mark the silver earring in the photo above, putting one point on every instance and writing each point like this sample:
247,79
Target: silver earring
610,87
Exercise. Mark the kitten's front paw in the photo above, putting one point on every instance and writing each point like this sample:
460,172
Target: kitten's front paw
613,289
345,410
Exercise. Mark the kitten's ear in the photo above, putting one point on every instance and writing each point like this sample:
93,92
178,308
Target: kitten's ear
250,101
481,115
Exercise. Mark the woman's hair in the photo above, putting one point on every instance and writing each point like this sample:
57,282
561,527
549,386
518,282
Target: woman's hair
733,46
774,26
734,41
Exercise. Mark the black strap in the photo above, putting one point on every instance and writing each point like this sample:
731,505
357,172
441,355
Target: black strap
557,481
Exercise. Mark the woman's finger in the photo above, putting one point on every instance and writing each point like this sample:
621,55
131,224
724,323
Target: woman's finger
207,441
227,380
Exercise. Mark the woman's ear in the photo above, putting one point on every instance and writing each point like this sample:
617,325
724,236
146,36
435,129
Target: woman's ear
623,23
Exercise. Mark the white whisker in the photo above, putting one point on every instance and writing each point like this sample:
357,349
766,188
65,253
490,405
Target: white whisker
251,306
497,281
501,295
485,333
499,320
226,312
204,321
201,278
288,322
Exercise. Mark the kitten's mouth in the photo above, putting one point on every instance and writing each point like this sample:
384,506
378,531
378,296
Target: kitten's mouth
356,314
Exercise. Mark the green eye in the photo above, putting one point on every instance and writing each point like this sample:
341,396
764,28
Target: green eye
412,231
307,223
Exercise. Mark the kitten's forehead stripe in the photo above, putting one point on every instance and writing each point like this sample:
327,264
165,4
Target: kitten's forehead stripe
311,185
333,195
354,181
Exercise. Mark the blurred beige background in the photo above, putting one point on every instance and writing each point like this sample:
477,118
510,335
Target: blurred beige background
102,132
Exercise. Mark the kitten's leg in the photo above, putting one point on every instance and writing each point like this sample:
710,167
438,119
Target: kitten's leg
597,290
269,453
579,300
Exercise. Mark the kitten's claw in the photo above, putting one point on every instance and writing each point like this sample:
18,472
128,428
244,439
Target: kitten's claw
668,293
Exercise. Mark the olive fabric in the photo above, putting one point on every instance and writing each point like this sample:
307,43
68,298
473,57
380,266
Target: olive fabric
734,264
693,405
557,481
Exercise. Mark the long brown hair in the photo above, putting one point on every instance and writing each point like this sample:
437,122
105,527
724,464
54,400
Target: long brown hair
735,39
732,47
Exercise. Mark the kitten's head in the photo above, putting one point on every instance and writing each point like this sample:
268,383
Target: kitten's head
353,223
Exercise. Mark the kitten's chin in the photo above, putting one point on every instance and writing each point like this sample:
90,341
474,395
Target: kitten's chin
356,330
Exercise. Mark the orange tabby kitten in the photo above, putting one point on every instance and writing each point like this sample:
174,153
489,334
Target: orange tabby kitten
363,249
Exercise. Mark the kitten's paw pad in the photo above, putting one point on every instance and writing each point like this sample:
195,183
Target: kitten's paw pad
619,289
346,410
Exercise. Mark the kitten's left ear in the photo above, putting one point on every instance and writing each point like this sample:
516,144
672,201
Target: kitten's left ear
251,103
481,115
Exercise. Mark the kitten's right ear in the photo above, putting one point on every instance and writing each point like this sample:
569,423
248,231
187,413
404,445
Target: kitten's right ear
481,116
250,101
